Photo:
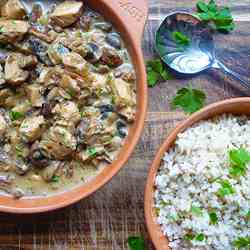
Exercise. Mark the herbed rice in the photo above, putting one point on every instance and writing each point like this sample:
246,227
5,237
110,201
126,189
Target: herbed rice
187,180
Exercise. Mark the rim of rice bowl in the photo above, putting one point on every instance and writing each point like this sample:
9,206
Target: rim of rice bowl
202,194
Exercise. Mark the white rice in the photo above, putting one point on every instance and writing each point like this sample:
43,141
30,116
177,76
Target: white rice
187,179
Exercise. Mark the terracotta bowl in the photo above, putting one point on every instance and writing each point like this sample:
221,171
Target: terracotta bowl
235,106
129,18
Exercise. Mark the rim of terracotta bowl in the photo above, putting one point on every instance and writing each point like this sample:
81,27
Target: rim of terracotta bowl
239,106
129,19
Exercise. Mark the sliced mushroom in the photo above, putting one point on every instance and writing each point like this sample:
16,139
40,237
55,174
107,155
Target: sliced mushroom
2,79
67,13
4,95
59,142
49,172
111,57
94,53
13,9
38,157
56,51
32,128
13,30
114,40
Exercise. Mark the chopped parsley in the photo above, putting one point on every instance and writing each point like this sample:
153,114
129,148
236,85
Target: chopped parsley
199,237
15,115
92,151
136,243
189,237
19,151
239,158
226,189
55,178
180,39
1,29
189,99
242,243
213,218
221,18
156,71
196,211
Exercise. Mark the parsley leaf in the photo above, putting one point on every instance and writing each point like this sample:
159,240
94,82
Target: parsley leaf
220,17
226,188
199,237
15,115
213,218
180,38
136,243
190,100
239,158
92,151
242,242
196,211
55,178
1,29
156,71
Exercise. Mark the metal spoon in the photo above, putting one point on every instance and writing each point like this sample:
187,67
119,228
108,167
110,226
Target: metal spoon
198,55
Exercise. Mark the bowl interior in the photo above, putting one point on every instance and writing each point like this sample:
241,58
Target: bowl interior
43,204
238,106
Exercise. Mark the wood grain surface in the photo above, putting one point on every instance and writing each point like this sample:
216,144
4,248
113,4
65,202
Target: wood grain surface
106,219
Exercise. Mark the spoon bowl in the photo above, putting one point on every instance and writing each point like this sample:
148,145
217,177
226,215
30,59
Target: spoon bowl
198,54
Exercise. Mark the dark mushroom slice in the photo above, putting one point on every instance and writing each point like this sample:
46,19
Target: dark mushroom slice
114,40
85,23
94,53
38,157
111,57
122,128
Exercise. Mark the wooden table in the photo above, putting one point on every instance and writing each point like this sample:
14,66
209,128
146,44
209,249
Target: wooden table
106,219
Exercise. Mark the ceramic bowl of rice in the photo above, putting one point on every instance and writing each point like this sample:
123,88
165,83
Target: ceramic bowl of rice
197,195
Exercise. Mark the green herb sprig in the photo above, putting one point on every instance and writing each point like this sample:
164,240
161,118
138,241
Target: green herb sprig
221,18
239,158
189,100
136,243
180,39
156,71
242,243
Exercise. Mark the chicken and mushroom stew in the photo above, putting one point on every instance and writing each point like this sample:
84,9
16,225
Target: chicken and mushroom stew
67,96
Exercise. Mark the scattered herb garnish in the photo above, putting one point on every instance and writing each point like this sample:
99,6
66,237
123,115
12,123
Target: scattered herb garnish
19,151
226,188
91,151
180,39
15,115
196,211
156,71
189,99
55,178
1,29
213,218
199,237
189,237
242,242
220,17
136,243
239,158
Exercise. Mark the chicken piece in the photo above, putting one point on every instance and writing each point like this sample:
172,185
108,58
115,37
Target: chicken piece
2,80
32,128
122,92
13,30
47,37
68,111
4,95
59,142
13,9
14,74
67,13
74,62
3,125
55,53
34,94
70,85
15,65
128,113
111,57
50,75
99,81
